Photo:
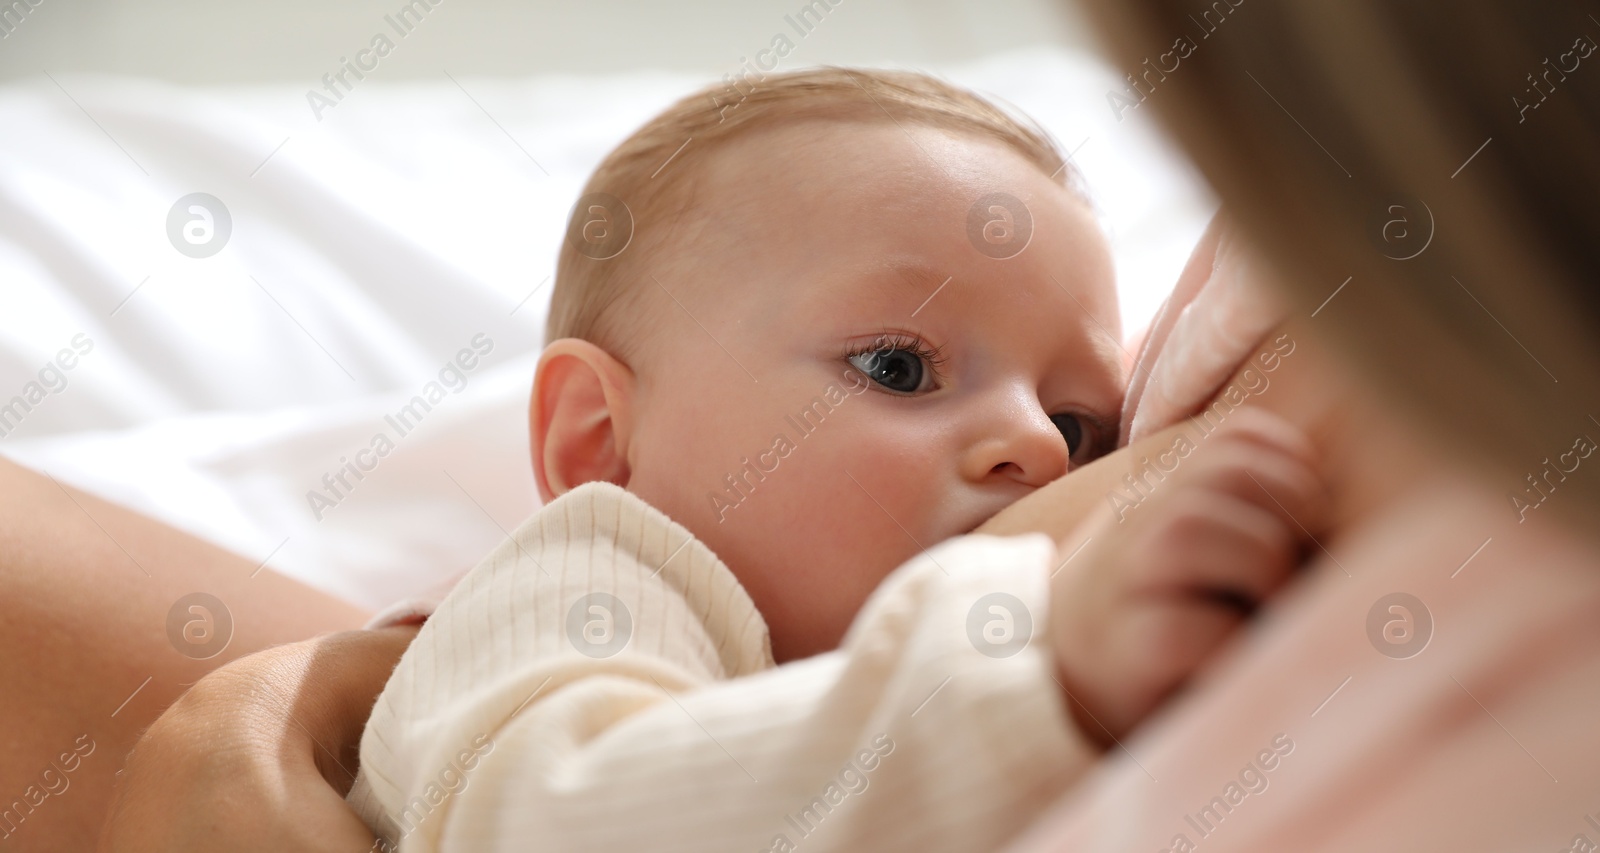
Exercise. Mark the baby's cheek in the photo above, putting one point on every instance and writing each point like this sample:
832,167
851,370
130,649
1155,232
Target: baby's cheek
891,486
820,520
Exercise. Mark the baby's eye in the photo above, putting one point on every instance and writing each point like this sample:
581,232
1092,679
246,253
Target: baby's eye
1071,427
899,370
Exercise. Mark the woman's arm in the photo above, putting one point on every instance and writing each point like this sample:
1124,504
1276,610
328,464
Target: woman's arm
259,754
86,588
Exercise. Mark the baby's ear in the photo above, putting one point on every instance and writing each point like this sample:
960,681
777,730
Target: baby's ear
579,417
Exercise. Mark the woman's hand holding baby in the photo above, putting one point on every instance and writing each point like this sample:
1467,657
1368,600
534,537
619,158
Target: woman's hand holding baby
258,755
1158,586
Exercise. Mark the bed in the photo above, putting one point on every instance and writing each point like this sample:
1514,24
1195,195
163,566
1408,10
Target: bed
264,393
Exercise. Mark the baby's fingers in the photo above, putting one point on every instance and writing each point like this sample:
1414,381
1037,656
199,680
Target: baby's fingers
1235,552
1260,458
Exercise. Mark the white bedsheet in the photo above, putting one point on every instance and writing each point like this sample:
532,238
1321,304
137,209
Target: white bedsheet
367,249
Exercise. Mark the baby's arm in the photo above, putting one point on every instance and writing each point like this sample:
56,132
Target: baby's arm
944,702
937,726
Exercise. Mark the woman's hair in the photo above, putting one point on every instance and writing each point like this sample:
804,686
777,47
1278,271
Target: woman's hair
1438,161
653,173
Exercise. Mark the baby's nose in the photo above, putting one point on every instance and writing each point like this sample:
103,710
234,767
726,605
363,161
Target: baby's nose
1026,447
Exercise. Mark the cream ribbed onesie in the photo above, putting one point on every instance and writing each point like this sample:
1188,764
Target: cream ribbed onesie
602,681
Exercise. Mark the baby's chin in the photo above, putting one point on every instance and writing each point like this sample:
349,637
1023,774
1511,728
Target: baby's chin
892,545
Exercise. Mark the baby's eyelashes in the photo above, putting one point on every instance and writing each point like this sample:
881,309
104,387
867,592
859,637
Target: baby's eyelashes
904,364
898,370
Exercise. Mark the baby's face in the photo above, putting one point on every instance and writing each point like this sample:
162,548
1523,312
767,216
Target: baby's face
845,379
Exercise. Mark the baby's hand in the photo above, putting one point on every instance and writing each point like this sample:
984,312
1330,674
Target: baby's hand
1151,596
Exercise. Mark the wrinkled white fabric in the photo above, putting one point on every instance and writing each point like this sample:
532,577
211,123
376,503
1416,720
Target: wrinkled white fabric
367,248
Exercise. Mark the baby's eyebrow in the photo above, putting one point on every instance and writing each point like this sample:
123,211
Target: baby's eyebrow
917,281
890,284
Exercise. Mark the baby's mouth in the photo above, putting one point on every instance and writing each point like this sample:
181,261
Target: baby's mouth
973,527
976,521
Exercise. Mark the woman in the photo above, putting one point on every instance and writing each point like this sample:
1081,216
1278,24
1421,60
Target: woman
1385,114
88,662
1441,162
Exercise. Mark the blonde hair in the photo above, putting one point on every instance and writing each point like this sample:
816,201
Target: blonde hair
652,171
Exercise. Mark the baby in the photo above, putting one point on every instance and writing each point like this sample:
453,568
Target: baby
798,340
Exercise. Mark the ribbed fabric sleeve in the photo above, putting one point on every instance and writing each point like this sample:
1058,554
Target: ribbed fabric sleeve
523,718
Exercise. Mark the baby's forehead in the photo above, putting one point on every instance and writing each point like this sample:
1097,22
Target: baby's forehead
832,214
851,143
870,173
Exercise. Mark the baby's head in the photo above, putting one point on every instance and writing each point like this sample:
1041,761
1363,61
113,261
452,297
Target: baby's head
838,322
